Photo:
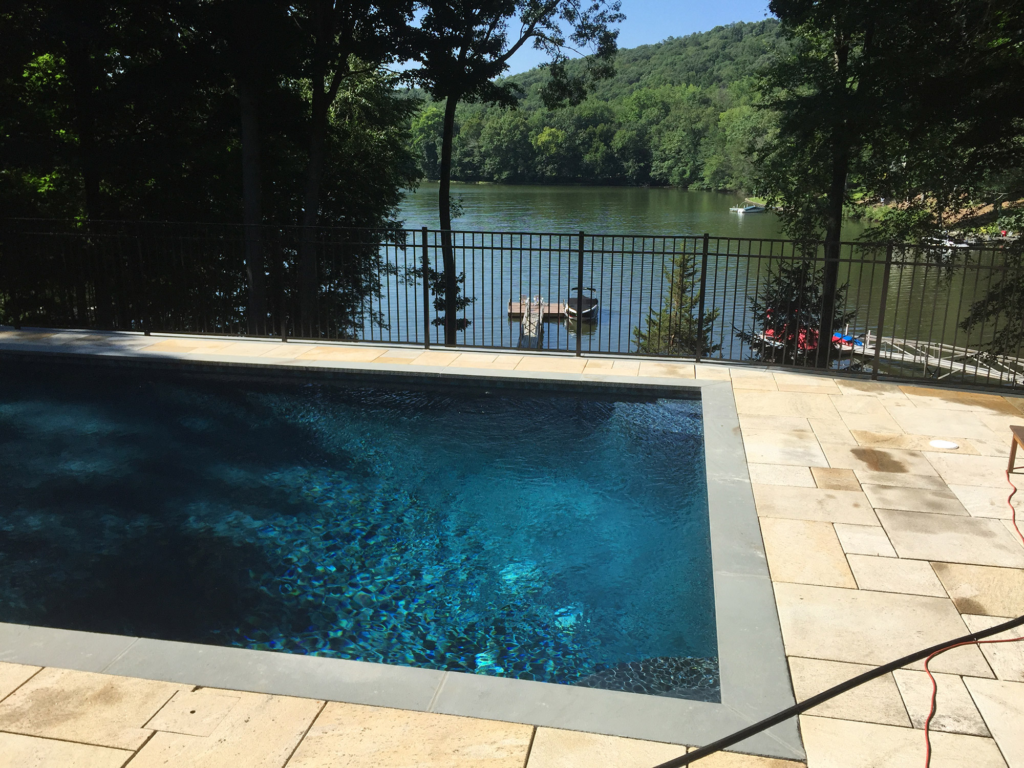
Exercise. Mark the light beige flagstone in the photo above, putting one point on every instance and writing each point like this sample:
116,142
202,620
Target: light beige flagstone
870,422
954,710
951,539
898,480
259,732
835,479
935,421
1002,705
504,362
796,448
542,363
285,351
13,676
878,389
357,736
1006,659
712,372
864,627
472,359
983,589
556,748
847,744
626,367
889,440
244,349
957,399
780,474
666,370
862,406
86,707
970,470
997,445
351,354
808,406
196,713
436,357
736,760
813,504
805,552
763,423
754,380
982,501
877,701
890,574
864,540
1015,528
792,382
186,345
914,499
883,460
832,431
18,751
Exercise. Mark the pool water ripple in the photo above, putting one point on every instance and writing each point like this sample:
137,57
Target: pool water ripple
554,538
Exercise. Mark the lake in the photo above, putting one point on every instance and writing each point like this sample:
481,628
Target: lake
601,210
631,272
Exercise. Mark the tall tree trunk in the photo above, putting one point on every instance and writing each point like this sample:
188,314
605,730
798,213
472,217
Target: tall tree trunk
81,76
833,239
834,214
252,205
309,287
444,208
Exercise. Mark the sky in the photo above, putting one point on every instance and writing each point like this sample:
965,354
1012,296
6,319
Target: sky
651,21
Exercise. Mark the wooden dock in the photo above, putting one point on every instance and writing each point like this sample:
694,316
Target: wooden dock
551,311
941,361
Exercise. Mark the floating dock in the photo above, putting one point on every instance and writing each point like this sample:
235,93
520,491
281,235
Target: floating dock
550,311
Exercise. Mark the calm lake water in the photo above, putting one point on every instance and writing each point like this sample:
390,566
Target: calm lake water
600,210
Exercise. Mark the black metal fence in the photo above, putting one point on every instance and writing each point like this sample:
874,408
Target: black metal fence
899,309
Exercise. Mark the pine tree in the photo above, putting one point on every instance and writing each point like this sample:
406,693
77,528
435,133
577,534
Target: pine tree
787,314
676,330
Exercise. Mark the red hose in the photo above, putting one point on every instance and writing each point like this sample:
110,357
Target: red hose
935,686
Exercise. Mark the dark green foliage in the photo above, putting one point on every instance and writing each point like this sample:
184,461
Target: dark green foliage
787,312
675,329
162,115
1002,307
676,113
131,111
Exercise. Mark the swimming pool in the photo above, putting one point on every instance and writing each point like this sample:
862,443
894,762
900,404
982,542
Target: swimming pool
555,537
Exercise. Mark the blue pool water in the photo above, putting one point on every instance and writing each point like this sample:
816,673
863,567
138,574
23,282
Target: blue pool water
529,535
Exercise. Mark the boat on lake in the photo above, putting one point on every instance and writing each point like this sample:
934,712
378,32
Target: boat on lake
581,307
748,209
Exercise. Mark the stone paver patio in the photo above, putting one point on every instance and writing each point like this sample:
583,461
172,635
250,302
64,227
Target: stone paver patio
878,545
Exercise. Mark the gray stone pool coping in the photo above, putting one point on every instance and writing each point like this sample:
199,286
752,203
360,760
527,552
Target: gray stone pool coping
755,679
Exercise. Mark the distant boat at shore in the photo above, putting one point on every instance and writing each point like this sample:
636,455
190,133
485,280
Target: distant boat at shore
748,209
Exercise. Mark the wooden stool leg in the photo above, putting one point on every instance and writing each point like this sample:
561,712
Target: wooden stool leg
1013,454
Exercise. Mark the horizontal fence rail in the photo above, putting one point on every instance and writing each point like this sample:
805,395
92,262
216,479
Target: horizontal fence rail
896,311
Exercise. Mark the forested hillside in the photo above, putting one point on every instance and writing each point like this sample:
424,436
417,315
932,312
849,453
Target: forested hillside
677,113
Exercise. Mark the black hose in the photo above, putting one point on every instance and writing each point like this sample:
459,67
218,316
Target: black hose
814,701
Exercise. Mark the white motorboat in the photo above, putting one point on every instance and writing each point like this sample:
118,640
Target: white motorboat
748,209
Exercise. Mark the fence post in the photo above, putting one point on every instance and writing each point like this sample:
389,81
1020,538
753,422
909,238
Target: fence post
7,265
579,300
426,291
700,297
881,311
